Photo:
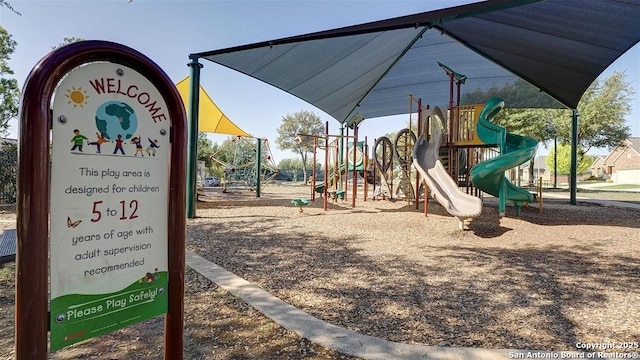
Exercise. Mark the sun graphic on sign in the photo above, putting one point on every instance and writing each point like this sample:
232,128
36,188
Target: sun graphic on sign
77,96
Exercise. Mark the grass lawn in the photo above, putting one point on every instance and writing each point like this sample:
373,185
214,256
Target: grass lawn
618,186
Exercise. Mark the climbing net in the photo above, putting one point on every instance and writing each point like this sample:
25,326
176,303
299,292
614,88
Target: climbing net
238,160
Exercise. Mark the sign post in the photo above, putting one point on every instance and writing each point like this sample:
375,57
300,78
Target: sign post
117,203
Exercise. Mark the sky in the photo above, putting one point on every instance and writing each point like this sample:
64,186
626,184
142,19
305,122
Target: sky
168,31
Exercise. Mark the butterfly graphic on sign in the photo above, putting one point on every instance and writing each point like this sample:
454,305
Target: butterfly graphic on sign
73,224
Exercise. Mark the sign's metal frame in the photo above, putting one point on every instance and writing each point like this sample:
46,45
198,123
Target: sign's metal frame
32,317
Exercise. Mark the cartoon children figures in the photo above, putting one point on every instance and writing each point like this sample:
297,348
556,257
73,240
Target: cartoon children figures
101,140
138,143
153,145
119,143
78,140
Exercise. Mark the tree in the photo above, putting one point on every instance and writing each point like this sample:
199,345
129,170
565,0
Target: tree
527,113
206,148
602,111
564,159
4,3
534,123
301,122
67,40
518,94
290,164
9,91
8,173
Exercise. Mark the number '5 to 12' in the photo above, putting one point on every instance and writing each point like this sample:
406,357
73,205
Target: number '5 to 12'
124,212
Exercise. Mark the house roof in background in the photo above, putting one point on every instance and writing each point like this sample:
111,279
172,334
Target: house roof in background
634,143
559,47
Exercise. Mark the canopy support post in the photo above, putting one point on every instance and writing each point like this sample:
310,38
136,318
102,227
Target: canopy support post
258,165
192,148
341,156
573,177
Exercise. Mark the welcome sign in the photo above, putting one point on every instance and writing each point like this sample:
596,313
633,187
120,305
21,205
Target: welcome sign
109,202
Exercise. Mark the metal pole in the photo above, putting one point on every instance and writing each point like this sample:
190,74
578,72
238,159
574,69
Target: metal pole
365,165
418,133
258,163
540,194
326,163
354,182
451,138
555,161
344,161
314,172
340,155
374,168
573,186
426,134
192,148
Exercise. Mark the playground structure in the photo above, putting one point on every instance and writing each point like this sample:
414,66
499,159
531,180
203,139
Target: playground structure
332,187
397,155
383,168
457,157
250,165
405,141
443,188
300,202
477,154
338,164
514,150
384,154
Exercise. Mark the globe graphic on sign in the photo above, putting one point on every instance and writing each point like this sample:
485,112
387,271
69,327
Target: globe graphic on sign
115,118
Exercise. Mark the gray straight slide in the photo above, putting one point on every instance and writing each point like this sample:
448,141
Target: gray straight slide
443,189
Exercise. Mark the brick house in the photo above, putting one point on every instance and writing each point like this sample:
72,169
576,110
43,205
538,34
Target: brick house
539,169
599,168
622,165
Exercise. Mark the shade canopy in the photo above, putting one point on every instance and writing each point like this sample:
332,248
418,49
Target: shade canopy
211,118
519,50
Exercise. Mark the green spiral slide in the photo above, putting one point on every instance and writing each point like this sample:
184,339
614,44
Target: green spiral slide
488,176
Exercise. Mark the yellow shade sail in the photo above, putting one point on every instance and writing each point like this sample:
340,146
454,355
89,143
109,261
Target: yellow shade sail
210,118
